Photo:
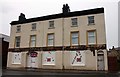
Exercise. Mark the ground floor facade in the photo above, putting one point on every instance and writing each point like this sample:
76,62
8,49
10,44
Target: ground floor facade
59,59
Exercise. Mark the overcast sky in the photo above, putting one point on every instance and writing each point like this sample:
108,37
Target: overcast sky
11,9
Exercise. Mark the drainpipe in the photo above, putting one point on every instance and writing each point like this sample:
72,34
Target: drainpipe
63,42
42,44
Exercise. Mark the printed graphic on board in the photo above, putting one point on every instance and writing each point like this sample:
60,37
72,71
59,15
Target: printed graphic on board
32,60
16,58
77,58
49,58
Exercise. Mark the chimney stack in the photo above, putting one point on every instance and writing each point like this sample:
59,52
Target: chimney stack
22,17
65,9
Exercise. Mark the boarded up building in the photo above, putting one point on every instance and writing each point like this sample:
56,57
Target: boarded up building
68,40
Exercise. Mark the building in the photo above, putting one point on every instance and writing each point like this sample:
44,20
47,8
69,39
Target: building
114,59
4,43
68,40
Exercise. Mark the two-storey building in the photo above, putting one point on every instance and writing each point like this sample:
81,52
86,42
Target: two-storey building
68,40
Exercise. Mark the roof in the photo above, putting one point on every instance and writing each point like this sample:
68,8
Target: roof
61,15
5,37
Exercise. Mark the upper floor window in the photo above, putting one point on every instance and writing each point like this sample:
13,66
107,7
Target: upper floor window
18,29
51,24
50,39
17,41
34,26
32,40
74,38
74,22
91,37
91,20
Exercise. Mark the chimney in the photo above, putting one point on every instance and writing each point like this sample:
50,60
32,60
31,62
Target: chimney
113,47
22,17
65,9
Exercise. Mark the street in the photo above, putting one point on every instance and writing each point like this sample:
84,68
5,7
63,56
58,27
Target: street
32,73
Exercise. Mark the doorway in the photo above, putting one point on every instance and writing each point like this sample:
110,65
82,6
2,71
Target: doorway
32,60
100,60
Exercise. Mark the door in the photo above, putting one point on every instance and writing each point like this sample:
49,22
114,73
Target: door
28,60
100,61
32,61
112,63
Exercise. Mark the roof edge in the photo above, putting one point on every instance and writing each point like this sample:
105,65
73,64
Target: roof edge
61,15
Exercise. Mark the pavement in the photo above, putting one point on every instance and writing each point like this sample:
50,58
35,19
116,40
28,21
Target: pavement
59,71
52,70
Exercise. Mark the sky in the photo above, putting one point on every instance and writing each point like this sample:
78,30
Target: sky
11,9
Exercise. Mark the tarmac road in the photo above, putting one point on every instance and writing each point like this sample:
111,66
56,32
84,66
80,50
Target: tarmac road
32,73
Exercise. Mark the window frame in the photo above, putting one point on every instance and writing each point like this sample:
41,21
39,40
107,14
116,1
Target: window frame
91,21
51,24
52,39
74,23
95,37
30,43
77,37
33,25
17,42
18,29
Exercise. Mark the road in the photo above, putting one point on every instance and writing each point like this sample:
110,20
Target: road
32,73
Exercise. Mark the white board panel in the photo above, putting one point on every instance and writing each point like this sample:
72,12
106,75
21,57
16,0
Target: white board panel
16,58
77,58
48,58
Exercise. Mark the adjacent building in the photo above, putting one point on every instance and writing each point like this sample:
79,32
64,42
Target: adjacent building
68,40
4,44
114,59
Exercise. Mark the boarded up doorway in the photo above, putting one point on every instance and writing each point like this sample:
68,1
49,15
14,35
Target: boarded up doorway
32,60
100,60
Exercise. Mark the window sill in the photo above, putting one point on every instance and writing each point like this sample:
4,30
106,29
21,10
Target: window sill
16,63
51,28
50,45
74,44
78,65
17,47
74,26
18,31
48,64
91,24
92,44
33,30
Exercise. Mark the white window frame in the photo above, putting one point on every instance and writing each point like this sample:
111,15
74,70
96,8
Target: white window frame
91,36
32,41
50,39
16,57
74,37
